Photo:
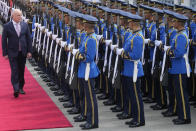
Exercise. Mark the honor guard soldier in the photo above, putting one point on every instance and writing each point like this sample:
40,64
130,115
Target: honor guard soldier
160,88
106,36
88,71
170,35
180,69
126,104
150,35
73,80
83,101
64,56
33,19
133,70
192,56
69,38
121,94
190,28
113,36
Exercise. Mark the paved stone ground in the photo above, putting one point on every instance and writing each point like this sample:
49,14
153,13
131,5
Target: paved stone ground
108,121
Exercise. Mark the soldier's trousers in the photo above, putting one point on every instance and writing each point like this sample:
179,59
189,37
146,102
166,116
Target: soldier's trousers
83,100
191,82
92,108
126,100
150,82
183,107
105,84
134,91
160,92
100,82
144,85
118,96
172,96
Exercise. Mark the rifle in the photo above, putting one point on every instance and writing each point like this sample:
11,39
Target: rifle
191,49
116,79
156,56
111,52
59,35
166,64
72,30
106,42
146,50
73,81
46,30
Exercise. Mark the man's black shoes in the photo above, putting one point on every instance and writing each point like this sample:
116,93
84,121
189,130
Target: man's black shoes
21,91
181,121
88,126
80,118
16,94
136,124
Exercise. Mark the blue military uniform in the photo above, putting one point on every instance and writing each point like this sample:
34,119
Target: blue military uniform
132,53
126,104
172,99
103,75
133,48
149,31
178,73
192,58
159,89
109,88
86,55
82,94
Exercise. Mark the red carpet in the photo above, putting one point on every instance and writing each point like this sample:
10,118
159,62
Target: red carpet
35,110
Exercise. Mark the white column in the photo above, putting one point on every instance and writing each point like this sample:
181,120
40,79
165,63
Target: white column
131,1
176,2
186,2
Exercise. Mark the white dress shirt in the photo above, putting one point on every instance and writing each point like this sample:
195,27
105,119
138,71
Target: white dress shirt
17,31
15,26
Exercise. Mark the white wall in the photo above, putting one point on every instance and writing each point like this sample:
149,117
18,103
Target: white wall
186,3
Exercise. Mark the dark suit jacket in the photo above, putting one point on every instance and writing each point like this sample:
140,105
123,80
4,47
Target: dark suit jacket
10,40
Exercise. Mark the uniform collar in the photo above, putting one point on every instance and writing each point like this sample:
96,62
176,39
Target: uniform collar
180,31
89,34
137,31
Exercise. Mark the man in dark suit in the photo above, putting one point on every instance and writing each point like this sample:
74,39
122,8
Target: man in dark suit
17,45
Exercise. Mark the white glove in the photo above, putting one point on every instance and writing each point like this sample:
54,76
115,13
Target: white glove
108,42
113,46
36,24
46,30
63,43
39,25
157,42
119,51
70,46
166,48
54,37
99,37
74,51
146,41
49,33
23,18
58,40
42,28
26,20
